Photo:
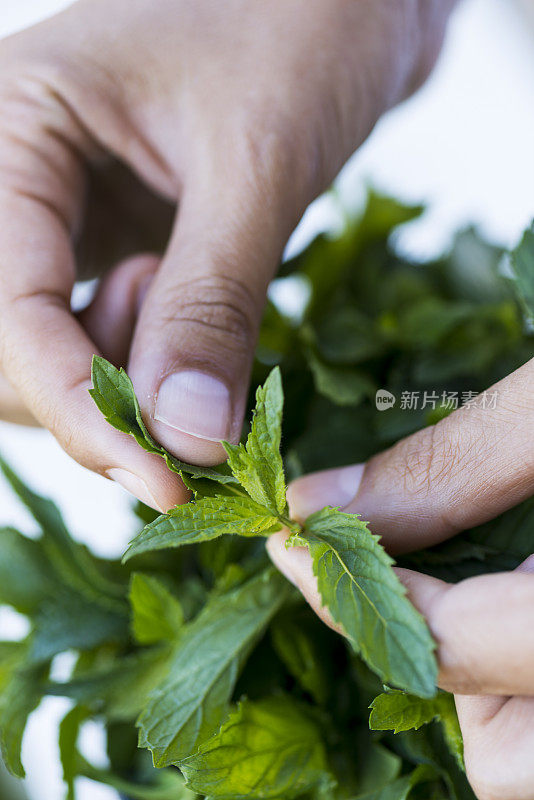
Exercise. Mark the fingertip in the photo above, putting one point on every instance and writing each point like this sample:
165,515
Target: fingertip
293,562
278,553
527,565
159,491
422,590
333,487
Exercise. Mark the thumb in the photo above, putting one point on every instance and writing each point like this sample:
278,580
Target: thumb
195,338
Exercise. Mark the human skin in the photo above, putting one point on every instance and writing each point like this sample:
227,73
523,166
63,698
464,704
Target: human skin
114,113
482,625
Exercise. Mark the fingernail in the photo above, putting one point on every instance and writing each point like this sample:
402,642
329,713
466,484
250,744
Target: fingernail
195,403
333,487
135,485
527,565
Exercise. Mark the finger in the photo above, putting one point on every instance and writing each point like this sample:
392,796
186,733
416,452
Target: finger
109,320
482,625
44,352
12,409
295,563
498,733
498,745
467,469
482,629
196,336
480,709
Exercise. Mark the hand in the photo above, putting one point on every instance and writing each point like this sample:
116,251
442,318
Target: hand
483,627
463,471
115,111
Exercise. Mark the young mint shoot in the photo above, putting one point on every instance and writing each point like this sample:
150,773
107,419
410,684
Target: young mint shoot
354,574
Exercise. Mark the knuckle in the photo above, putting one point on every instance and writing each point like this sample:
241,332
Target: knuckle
40,145
424,461
267,151
432,465
217,306
277,158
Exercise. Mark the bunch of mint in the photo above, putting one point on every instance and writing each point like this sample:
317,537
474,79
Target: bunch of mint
211,675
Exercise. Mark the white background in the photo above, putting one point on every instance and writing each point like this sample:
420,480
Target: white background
464,145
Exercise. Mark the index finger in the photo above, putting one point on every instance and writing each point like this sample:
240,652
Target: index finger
44,352
482,626
461,472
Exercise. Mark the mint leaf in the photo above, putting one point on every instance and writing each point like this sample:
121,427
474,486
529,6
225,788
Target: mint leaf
73,565
399,712
192,700
202,520
44,511
69,730
299,650
345,386
25,574
257,465
156,614
365,597
46,576
85,626
522,263
267,749
402,787
20,697
114,395
118,689
168,784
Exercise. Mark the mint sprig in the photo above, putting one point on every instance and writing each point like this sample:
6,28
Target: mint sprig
355,577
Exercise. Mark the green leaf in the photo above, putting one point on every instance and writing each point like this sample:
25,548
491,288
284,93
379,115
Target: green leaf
25,574
21,696
257,465
73,602
427,746
375,765
299,651
72,564
268,749
327,261
44,511
344,386
397,711
192,700
348,337
119,690
114,395
67,621
358,586
156,614
168,784
11,658
401,788
522,263
69,730
202,520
